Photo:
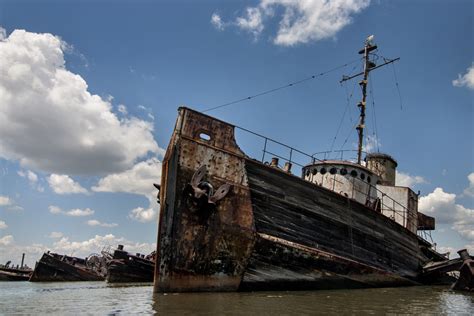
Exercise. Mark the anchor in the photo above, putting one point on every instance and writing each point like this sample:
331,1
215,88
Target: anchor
200,194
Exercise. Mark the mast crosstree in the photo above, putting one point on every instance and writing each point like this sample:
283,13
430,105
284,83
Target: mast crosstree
368,66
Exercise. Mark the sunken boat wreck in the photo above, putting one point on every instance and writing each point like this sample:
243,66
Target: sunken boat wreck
53,267
10,272
126,267
232,223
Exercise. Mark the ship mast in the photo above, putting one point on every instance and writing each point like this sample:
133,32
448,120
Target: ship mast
368,66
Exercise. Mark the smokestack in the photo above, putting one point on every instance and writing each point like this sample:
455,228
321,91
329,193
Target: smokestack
22,260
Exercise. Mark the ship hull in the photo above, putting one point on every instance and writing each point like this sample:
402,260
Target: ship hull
313,238
126,268
272,231
51,268
9,274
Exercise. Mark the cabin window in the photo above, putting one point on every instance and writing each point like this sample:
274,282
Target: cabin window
354,173
362,176
307,173
323,171
204,136
369,179
333,170
314,171
343,171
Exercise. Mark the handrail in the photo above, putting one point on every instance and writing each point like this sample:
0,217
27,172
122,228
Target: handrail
404,213
372,199
292,149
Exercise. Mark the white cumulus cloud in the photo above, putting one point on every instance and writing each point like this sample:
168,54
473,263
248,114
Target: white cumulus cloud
12,251
466,80
143,215
50,121
9,203
137,180
371,143
77,212
9,250
216,21
32,179
63,184
6,240
53,209
5,201
94,222
406,180
122,109
55,235
469,191
301,21
30,175
252,21
443,207
97,243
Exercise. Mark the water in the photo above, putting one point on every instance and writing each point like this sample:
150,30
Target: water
79,298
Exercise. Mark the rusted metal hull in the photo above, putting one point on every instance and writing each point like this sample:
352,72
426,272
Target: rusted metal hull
272,230
51,268
125,267
465,282
8,274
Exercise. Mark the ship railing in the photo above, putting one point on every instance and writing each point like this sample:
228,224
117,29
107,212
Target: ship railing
273,148
296,157
346,154
387,204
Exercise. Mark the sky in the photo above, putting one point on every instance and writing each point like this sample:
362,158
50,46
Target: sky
89,92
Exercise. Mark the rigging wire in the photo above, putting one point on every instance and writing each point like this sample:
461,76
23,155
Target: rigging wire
348,98
374,116
291,84
396,84
349,135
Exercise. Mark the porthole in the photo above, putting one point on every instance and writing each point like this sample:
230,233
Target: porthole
205,137
362,176
323,171
369,179
333,170
354,173
314,171
343,171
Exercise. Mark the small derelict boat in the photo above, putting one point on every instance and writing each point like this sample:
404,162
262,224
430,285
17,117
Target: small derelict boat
10,272
54,267
465,282
126,267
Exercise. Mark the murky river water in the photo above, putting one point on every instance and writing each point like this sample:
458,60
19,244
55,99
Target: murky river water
100,298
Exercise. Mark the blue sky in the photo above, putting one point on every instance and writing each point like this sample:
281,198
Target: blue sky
89,92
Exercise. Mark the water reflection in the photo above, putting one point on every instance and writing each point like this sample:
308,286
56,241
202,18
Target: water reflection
411,300
125,299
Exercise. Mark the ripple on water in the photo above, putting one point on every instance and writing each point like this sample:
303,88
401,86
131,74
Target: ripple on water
100,298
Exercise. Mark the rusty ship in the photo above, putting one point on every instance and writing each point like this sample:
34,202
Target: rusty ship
229,222
9,272
53,267
126,267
